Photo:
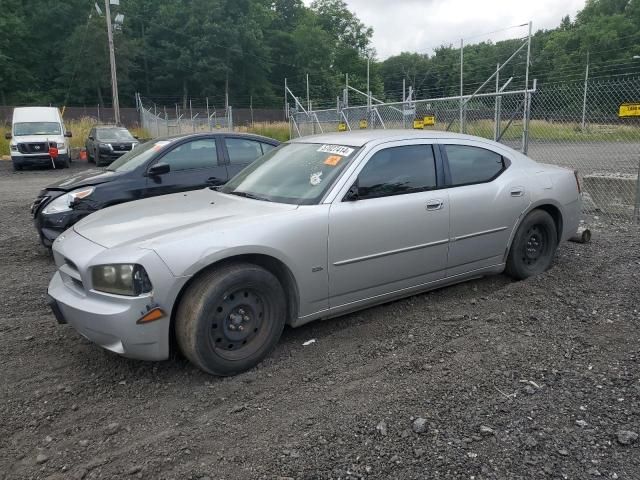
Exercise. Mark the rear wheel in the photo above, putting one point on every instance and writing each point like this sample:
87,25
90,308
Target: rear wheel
229,319
533,247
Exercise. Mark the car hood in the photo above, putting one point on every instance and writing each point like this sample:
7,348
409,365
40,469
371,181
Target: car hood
83,179
145,222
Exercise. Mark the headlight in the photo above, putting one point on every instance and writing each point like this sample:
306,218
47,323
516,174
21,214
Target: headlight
106,146
121,279
61,146
64,202
14,148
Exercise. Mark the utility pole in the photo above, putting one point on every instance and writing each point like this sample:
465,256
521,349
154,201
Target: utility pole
112,59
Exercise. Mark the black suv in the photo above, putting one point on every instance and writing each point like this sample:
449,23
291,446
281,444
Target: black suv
107,143
160,166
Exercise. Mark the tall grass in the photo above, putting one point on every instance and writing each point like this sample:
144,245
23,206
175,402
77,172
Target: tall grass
277,130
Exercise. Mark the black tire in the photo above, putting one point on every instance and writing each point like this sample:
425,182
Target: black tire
533,246
62,164
230,318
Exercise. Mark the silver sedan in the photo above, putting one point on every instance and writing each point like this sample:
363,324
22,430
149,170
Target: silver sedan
318,227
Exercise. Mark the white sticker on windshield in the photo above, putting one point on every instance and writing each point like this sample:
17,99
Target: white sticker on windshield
315,178
336,150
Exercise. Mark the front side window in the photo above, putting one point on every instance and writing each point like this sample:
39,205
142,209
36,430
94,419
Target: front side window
295,173
195,154
140,155
398,170
469,165
242,151
36,128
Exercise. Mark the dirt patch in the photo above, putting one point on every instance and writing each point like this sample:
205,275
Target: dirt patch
488,379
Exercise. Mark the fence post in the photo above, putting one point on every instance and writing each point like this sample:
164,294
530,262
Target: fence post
636,209
208,117
461,85
584,97
496,120
155,114
527,100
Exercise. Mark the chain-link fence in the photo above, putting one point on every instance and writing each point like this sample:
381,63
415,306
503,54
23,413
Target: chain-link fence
576,125
162,122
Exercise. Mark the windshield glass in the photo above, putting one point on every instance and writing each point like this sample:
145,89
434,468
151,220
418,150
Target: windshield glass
36,128
136,157
297,173
114,135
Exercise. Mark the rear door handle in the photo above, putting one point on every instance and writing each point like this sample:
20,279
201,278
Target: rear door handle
517,192
435,204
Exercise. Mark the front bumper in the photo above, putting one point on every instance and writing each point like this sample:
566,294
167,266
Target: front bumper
49,227
110,320
38,160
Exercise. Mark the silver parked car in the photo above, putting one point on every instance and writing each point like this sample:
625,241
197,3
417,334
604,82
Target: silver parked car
316,228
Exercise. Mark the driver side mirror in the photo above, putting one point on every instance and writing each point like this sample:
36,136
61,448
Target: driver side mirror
159,169
68,134
7,136
352,194
91,137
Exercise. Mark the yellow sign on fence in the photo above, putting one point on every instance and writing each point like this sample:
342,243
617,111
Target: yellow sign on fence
418,124
364,124
429,120
629,110
342,127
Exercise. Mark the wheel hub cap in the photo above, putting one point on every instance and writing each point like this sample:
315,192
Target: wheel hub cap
237,320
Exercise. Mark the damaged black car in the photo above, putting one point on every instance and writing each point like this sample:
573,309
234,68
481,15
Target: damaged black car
158,167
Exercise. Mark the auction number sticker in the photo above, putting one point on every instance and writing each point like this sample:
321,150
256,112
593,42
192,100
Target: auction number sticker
336,150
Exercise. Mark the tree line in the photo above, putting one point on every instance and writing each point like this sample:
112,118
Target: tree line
56,52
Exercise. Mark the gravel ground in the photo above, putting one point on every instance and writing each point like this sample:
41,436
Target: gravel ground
488,379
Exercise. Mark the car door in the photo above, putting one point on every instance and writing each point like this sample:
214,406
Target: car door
395,235
242,152
193,164
486,199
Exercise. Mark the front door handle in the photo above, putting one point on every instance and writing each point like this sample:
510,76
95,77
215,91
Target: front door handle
517,192
435,205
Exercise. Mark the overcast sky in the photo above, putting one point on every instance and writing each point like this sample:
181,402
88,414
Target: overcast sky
421,25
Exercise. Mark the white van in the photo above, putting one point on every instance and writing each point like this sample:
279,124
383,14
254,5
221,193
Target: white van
33,131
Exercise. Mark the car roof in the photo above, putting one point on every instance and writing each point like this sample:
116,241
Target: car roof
36,114
359,138
252,136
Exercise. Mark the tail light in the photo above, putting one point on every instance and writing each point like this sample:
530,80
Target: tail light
575,174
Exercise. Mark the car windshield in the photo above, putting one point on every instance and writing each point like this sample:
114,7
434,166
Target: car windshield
36,128
296,173
114,135
139,155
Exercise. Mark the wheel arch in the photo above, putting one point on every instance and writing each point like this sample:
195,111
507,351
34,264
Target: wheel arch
549,206
270,263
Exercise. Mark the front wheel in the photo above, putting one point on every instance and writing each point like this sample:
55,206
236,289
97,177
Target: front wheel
533,246
230,318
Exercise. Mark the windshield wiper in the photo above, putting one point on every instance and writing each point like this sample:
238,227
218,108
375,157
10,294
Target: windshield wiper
249,195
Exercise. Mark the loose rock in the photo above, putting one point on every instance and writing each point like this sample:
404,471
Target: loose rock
419,425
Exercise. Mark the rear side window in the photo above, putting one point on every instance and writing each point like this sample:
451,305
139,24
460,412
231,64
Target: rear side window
469,165
398,170
194,154
243,151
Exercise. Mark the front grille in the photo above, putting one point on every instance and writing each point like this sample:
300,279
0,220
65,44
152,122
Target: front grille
30,148
121,147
